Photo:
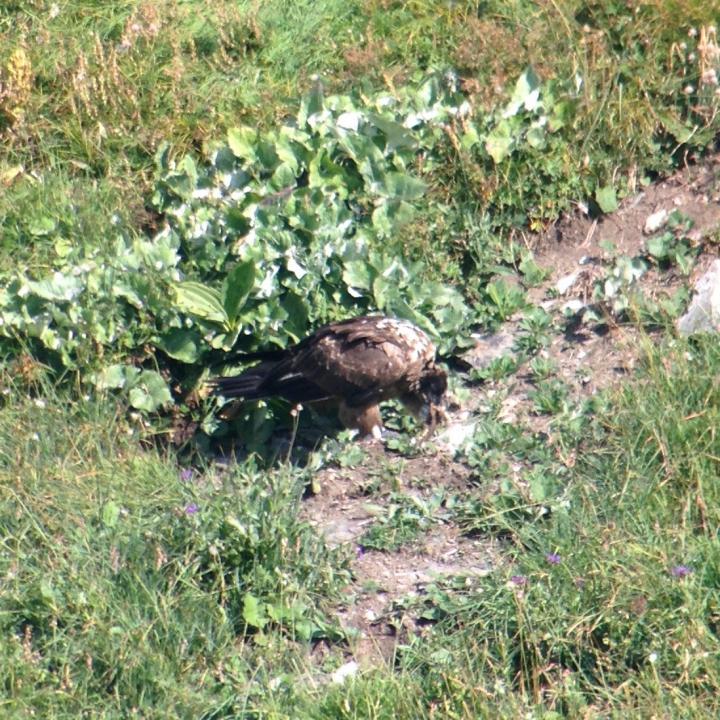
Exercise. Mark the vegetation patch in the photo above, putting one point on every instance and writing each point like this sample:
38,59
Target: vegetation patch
179,185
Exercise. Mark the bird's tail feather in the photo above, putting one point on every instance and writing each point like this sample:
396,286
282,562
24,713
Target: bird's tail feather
238,387
247,385
265,380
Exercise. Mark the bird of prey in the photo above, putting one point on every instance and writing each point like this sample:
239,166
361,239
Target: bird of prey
355,363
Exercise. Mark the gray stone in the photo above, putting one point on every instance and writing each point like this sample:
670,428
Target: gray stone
703,315
488,348
655,221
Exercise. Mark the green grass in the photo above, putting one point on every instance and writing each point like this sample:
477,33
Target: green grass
112,596
105,84
627,620
115,598
128,590
118,598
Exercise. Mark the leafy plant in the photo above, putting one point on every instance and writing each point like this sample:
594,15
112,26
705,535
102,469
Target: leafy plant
672,247
542,368
535,330
277,232
549,396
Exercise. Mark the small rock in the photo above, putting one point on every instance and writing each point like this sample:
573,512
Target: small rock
655,221
488,348
344,672
455,435
703,315
573,306
565,283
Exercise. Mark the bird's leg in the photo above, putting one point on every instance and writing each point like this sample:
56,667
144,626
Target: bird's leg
365,419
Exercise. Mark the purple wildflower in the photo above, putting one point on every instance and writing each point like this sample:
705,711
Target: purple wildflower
680,571
553,558
186,475
191,509
518,580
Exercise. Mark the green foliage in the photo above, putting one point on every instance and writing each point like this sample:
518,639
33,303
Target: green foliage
313,208
672,247
550,396
617,291
535,330
497,369
279,232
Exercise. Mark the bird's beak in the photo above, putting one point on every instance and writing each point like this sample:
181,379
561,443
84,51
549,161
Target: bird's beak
433,414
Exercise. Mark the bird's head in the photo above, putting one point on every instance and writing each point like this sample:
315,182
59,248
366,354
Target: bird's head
433,386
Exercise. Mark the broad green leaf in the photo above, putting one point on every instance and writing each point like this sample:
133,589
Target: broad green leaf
180,183
189,167
399,186
202,301
181,344
149,392
297,321
526,94
532,272
224,159
58,288
266,154
396,136
283,177
122,290
42,226
63,247
236,289
243,143
360,147
430,91
391,215
113,377
358,274
536,136
253,612
290,152
382,289
499,142
659,246
469,138
606,198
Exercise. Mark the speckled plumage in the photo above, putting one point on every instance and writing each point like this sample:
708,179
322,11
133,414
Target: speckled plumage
358,363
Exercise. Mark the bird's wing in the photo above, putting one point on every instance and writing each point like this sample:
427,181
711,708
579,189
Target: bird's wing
362,360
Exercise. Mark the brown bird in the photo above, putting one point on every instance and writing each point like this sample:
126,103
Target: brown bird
356,363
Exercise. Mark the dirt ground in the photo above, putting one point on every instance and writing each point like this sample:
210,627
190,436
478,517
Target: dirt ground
575,251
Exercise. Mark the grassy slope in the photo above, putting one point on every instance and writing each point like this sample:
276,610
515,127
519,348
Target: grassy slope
113,600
